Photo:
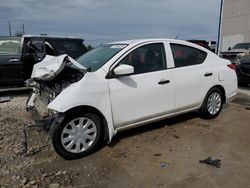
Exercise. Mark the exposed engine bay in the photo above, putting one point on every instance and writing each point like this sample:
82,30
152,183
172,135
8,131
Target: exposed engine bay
48,81
54,87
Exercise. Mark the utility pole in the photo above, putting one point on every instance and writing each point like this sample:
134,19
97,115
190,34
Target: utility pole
220,23
23,29
9,28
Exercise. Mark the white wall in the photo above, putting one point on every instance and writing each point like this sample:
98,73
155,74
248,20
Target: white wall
235,23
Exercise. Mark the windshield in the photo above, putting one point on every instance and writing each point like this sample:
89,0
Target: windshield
242,46
10,45
96,58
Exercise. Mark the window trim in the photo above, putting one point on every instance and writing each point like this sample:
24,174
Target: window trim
171,43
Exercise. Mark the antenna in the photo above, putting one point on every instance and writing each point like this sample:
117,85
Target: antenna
9,28
23,28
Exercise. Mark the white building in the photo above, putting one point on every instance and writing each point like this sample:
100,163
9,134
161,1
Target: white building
235,23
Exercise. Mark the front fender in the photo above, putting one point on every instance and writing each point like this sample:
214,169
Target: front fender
87,92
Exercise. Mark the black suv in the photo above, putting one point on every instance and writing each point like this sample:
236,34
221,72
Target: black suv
19,54
243,70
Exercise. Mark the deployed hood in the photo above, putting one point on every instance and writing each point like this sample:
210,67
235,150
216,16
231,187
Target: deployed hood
51,66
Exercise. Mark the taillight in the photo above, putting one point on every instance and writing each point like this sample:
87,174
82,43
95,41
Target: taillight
232,66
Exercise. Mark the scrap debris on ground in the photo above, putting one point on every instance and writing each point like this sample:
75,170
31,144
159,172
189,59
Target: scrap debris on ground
210,161
163,154
5,99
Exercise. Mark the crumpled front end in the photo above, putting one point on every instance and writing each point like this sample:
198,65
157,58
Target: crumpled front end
49,78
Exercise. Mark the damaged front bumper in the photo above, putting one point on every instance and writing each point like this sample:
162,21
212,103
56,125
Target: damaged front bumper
37,107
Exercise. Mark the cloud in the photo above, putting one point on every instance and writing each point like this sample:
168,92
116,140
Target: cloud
113,19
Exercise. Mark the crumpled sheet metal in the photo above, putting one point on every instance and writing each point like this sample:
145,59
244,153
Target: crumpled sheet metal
51,66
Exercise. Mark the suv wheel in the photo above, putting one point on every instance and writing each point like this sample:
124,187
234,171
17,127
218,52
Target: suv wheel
77,136
212,104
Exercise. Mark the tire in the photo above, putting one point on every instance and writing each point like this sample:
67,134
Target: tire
72,141
212,104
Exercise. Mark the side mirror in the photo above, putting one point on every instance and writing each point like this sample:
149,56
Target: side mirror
229,48
123,70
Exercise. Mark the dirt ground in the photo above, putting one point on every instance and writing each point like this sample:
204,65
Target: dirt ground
162,154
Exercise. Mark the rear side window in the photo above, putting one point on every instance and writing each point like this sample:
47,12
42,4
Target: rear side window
186,56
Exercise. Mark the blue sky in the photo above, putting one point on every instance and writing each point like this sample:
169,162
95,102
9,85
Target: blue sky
100,21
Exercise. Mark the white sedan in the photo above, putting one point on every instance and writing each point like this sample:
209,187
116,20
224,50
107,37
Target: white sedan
123,85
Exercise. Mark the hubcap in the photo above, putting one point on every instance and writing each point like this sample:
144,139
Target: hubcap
214,103
78,135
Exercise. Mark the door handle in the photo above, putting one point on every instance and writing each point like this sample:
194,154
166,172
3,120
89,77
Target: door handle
208,74
162,82
13,60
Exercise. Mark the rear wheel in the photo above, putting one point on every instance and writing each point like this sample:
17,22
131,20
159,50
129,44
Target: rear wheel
212,104
77,136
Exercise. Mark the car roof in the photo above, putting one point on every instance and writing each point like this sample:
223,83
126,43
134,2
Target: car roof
138,41
10,37
53,36
135,42
42,36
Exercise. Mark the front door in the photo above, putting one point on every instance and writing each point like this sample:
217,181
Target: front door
34,52
146,94
10,63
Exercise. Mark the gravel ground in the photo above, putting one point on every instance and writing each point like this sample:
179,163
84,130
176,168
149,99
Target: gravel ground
163,154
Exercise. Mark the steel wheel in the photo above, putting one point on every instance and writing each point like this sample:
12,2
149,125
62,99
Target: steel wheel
214,103
78,135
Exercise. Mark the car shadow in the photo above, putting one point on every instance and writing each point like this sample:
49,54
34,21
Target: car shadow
152,126
245,87
15,93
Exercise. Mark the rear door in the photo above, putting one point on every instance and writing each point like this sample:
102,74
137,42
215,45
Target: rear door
191,74
10,61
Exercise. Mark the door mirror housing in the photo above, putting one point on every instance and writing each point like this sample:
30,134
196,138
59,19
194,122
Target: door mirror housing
229,48
123,70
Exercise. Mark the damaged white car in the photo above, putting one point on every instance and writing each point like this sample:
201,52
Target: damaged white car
123,85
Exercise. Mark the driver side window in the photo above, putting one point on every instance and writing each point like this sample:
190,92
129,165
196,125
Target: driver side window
148,58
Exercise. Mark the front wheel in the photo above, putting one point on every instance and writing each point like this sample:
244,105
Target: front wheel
212,104
77,136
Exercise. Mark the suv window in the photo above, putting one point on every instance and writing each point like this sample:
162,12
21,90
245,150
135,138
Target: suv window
35,46
147,58
10,45
186,56
73,47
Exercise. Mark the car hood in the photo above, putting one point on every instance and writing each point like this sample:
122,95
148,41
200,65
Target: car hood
51,66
